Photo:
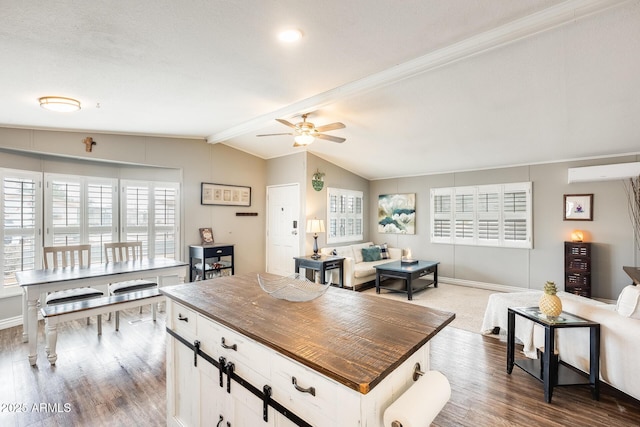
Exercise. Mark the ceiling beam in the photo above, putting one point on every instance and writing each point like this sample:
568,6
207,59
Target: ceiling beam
527,26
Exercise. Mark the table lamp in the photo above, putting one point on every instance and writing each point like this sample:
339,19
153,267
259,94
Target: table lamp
315,226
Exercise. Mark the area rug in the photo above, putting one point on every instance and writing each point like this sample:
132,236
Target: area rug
467,303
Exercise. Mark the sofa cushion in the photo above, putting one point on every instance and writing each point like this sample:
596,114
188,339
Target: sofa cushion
357,250
384,251
372,253
628,304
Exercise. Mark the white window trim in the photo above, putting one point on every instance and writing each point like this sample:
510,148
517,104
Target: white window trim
475,215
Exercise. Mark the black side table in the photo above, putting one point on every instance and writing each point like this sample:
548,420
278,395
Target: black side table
322,264
548,369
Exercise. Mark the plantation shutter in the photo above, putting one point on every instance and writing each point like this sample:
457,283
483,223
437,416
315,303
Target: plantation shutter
488,215
464,215
150,212
20,215
517,215
81,210
485,215
441,215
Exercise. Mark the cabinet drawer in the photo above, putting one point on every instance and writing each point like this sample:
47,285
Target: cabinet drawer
218,252
251,359
314,408
183,320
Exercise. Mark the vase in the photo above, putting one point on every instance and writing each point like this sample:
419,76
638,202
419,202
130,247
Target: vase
550,305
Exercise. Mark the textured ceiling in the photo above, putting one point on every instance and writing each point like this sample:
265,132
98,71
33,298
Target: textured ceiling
423,87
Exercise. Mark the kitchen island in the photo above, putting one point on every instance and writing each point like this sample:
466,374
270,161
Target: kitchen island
237,356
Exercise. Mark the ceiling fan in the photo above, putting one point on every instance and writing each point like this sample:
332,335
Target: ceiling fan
305,132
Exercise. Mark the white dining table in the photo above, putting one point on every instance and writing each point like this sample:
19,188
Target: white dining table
35,283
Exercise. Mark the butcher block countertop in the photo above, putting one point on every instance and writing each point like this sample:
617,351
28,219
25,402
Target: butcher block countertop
352,338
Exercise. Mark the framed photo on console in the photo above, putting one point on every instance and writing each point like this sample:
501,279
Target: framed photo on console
206,236
225,195
578,207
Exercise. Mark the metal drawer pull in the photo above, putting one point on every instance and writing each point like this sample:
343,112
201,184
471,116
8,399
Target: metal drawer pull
233,347
310,390
219,251
184,319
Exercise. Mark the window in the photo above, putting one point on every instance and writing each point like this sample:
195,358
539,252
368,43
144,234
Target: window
20,215
81,210
150,213
344,215
487,215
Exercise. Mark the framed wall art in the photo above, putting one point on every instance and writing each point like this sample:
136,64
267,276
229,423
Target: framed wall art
578,207
397,213
225,195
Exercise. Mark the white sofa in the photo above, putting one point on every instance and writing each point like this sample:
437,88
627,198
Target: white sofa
356,270
619,336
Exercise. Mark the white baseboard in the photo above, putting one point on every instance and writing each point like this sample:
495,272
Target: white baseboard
10,322
482,285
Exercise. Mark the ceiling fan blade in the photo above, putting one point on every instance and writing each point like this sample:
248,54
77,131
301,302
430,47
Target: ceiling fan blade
274,134
330,126
286,123
330,138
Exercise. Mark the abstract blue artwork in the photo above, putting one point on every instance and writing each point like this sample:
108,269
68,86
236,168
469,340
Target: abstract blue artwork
397,213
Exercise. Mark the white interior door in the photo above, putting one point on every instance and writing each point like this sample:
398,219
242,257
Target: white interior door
283,228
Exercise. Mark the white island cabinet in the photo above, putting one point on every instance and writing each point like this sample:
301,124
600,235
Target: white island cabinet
339,360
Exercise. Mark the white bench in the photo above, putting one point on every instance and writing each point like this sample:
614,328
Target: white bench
59,313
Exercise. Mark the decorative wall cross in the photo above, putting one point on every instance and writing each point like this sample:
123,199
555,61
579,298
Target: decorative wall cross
89,142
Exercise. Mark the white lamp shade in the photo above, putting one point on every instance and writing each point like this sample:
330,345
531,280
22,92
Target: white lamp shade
315,226
304,139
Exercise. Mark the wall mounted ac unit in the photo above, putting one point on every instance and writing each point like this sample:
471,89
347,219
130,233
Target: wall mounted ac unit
604,172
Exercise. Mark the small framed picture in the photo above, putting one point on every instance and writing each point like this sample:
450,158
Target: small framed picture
206,236
578,207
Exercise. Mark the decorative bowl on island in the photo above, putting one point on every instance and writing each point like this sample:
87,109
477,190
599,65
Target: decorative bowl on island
295,288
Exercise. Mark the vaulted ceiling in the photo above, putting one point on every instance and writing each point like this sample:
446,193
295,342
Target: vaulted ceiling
423,86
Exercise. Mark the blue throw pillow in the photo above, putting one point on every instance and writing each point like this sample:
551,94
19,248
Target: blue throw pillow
371,253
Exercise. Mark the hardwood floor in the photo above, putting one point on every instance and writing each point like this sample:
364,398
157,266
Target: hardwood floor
119,380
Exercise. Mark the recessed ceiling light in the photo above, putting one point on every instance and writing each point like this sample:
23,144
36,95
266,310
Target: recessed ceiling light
290,36
59,104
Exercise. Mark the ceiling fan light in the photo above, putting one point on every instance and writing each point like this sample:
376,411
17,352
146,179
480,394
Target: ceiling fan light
304,139
59,104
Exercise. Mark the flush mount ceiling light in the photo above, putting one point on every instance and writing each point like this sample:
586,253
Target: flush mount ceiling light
290,36
59,104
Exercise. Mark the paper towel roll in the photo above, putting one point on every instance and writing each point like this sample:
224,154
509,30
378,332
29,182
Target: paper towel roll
421,403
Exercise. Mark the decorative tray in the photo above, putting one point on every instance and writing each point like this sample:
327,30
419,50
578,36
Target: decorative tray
292,288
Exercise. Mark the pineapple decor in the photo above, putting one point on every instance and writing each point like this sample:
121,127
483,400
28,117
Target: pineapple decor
550,303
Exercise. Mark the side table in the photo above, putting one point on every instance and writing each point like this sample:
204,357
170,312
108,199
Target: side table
322,265
549,369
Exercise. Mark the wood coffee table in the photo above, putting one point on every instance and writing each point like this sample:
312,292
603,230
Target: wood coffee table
407,273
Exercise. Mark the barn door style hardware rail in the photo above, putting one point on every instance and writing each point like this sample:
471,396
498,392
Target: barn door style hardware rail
228,369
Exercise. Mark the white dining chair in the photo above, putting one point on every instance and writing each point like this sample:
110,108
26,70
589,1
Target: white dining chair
123,252
70,256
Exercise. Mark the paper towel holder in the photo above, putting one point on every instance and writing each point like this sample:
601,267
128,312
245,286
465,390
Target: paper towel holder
417,372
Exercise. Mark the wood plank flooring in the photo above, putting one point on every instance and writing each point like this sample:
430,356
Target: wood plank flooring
119,380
